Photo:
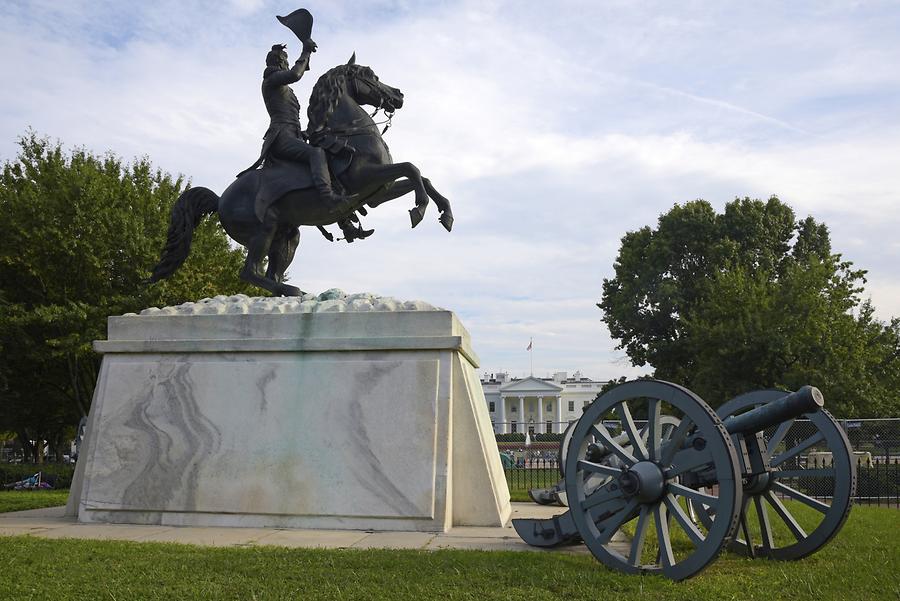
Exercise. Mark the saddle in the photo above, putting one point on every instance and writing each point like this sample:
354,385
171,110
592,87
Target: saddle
278,177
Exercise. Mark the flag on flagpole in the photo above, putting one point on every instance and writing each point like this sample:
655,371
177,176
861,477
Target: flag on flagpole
530,342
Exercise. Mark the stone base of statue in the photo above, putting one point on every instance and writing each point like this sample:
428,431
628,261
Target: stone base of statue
336,412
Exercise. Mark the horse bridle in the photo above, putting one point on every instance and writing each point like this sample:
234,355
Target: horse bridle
359,130
381,98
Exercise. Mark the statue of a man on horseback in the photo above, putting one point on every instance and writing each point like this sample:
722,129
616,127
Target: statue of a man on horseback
263,209
285,139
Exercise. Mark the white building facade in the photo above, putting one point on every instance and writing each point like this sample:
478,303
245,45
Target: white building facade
537,405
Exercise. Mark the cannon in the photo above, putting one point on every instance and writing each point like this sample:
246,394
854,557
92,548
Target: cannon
668,500
556,494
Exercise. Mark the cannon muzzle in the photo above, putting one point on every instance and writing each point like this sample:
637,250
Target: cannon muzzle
805,400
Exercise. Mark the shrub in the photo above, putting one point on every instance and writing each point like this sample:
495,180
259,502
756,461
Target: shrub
59,475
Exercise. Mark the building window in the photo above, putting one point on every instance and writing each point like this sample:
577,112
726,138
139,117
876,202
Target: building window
571,405
549,407
531,427
549,427
513,427
513,409
491,406
586,403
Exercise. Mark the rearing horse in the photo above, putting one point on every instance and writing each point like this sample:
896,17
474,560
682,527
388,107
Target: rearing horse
272,230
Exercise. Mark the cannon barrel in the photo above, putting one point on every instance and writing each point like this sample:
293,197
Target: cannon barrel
795,404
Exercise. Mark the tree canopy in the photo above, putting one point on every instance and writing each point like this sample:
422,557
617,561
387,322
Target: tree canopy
751,298
78,234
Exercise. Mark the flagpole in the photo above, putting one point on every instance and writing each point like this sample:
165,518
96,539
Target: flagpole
531,354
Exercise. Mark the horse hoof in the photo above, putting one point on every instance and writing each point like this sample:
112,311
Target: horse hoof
288,290
447,221
415,216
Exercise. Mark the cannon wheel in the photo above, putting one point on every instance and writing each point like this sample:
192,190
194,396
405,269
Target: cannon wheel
564,448
648,485
837,482
667,423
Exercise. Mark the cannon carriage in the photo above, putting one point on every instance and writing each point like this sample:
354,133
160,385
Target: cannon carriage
670,496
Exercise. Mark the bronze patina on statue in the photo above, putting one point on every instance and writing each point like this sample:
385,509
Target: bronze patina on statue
328,173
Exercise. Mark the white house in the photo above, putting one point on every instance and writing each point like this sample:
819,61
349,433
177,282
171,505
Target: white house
537,405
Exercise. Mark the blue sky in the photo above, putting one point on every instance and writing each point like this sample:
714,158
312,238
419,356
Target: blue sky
552,130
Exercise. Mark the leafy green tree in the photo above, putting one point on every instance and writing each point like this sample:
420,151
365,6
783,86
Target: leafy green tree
751,298
78,234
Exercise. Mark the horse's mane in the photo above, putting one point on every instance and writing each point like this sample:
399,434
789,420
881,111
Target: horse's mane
328,90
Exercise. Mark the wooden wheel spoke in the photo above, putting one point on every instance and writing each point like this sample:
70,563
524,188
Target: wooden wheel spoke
779,434
611,525
637,444
597,468
607,441
785,515
683,520
799,496
640,533
790,454
694,495
745,527
666,556
654,432
765,528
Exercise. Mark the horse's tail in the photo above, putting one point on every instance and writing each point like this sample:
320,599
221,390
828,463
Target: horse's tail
191,207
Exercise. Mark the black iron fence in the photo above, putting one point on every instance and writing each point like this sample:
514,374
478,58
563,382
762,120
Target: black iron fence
532,462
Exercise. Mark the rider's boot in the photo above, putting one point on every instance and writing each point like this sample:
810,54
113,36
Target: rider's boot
318,166
353,231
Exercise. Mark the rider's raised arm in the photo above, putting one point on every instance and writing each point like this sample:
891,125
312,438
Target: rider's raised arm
287,76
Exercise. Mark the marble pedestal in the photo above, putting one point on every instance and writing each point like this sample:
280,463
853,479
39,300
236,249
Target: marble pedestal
352,412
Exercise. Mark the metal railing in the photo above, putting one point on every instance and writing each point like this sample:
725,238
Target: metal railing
875,442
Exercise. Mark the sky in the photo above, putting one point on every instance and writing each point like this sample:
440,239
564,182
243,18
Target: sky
552,129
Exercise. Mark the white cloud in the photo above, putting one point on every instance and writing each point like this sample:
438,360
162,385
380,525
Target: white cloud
552,132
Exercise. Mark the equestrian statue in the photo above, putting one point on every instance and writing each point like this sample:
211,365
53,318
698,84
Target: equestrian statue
328,173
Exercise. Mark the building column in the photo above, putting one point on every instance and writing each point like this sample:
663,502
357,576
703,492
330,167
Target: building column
522,421
540,417
559,418
502,415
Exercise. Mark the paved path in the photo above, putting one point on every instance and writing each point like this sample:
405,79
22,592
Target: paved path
51,523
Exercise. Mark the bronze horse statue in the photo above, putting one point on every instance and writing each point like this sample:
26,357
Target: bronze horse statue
269,228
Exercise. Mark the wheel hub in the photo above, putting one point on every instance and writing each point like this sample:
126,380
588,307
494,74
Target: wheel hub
757,484
644,481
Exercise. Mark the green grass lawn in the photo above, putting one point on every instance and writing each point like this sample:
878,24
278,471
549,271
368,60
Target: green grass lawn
19,500
863,563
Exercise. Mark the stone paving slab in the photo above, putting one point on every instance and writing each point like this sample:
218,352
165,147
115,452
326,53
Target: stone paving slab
480,532
321,539
12,530
101,531
207,536
35,522
52,523
395,540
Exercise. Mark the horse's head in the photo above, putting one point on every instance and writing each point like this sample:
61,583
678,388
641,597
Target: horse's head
350,82
366,88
